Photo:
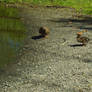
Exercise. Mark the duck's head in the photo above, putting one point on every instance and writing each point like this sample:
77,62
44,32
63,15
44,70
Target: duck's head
80,33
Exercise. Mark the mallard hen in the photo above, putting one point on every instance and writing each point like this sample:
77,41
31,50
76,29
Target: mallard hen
44,31
82,39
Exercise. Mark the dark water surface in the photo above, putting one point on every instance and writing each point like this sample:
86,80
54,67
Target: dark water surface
12,34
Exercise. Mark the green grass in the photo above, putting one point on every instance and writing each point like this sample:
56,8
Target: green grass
85,5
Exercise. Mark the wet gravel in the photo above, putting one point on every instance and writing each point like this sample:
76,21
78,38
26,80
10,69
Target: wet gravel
51,65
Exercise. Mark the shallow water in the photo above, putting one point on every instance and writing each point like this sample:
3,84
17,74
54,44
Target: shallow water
12,34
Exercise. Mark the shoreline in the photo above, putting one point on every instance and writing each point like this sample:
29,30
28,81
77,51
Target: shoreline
48,65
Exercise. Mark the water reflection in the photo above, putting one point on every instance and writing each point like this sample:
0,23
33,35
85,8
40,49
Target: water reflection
12,34
9,45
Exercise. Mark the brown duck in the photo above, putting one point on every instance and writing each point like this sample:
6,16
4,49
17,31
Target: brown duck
82,39
44,31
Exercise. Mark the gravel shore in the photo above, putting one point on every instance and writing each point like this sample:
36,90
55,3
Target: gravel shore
51,65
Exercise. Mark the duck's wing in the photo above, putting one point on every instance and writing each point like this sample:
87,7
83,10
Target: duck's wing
85,39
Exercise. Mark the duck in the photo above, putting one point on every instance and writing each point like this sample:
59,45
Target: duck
82,39
44,31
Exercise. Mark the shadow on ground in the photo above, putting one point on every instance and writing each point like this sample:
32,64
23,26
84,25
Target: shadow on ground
76,45
87,60
37,37
71,22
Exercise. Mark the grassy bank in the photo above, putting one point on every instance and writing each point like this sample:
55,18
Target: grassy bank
84,5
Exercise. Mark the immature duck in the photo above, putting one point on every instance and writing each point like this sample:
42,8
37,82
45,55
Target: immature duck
44,31
82,39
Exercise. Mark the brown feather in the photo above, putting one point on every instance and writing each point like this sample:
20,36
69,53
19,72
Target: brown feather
44,31
82,39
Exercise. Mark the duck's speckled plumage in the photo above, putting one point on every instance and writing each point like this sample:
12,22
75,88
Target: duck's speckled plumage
82,39
44,31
